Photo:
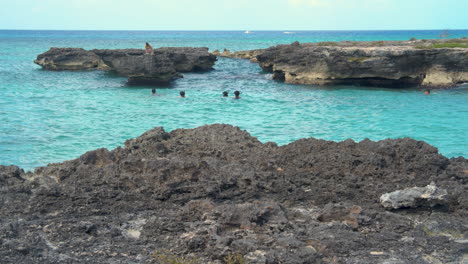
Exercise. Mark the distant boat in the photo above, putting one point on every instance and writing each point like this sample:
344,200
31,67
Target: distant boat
288,32
247,32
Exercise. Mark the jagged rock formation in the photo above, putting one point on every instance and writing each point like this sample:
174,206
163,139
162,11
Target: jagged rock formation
377,63
215,189
162,67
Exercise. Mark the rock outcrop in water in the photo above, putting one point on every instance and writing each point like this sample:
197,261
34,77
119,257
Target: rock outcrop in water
427,63
215,189
165,65
247,54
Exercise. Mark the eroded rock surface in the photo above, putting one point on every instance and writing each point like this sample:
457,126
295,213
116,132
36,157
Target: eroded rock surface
215,189
247,54
164,66
376,63
414,197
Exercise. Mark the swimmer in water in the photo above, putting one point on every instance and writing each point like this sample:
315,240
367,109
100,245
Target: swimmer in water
182,94
427,92
153,91
225,94
236,95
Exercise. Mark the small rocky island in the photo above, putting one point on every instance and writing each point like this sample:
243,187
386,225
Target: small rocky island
215,194
163,66
426,63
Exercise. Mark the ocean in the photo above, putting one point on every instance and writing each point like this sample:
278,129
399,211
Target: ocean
48,117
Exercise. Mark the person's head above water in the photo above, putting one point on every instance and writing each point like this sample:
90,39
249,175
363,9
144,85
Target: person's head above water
182,93
153,90
236,94
427,92
225,94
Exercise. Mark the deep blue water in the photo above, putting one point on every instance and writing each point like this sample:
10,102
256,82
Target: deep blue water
54,116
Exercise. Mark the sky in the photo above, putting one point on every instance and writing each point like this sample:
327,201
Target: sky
233,14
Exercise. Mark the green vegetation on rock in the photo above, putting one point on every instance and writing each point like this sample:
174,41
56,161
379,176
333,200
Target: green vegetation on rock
444,45
448,233
358,59
450,45
235,258
166,257
379,43
329,43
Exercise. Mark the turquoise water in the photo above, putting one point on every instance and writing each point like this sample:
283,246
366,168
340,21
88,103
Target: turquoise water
54,116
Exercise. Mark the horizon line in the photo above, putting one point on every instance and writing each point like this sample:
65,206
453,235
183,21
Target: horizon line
226,30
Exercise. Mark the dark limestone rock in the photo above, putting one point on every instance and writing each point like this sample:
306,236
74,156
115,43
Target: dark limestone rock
160,68
215,190
138,67
336,212
190,59
60,59
10,175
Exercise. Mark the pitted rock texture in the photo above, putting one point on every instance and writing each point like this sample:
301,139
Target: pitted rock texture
414,197
376,63
215,189
164,66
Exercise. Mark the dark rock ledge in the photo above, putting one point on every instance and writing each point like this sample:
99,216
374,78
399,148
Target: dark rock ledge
425,63
215,189
164,66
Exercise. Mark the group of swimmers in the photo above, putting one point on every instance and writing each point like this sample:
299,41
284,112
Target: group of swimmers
225,93
237,93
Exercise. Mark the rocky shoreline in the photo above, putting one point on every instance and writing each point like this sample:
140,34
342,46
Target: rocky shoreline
214,192
425,63
161,68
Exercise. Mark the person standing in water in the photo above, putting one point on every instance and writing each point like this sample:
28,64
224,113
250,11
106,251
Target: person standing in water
149,49
182,94
225,94
153,91
236,95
